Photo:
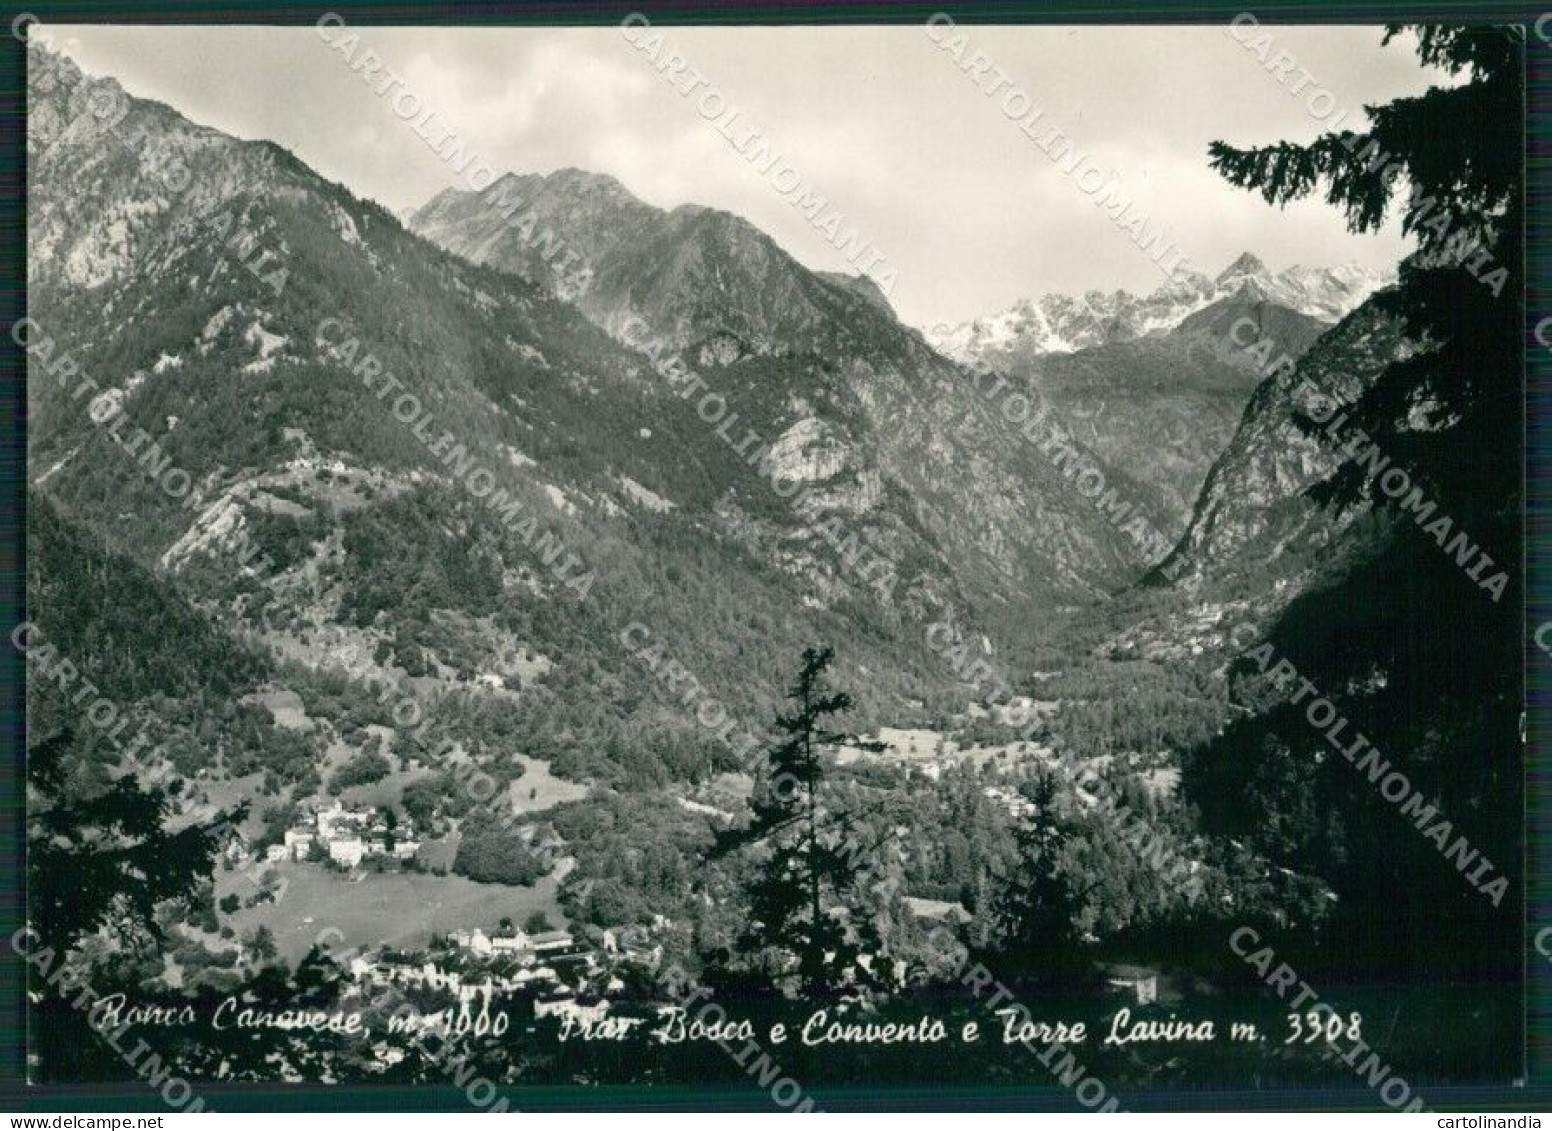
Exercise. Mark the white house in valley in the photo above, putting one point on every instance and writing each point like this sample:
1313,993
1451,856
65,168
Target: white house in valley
347,851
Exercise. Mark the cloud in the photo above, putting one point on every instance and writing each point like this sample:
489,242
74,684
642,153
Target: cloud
526,114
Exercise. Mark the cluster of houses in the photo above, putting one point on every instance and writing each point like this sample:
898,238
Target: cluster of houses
526,948
1011,799
347,836
551,964
429,974
619,944
561,972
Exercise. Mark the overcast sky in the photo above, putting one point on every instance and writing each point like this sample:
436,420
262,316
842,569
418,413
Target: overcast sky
967,210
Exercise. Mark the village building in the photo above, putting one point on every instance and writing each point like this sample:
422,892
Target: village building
347,851
547,942
298,843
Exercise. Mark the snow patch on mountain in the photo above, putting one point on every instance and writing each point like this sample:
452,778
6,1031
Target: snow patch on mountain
1058,323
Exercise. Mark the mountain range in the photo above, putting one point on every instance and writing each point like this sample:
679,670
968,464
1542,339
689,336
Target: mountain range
704,279
1061,324
461,560
710,283
900,454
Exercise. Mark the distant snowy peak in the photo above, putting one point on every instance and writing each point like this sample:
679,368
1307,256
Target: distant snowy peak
1058,323
1331,293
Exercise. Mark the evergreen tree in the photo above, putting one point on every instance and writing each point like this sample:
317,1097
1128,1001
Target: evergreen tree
1418,650
99,858
812,859
1038,907
1457,151
262,944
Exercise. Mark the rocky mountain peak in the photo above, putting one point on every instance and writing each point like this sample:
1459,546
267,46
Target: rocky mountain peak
1247,265
584,179
694,273
862,285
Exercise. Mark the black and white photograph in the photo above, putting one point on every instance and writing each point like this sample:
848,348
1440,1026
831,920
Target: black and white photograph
811,565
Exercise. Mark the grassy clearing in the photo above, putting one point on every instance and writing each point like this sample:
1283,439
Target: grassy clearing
402,909
538,789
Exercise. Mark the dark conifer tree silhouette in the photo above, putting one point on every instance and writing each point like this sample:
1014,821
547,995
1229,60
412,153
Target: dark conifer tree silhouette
98,858
812,857
1415,651
1038,906
1449,162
